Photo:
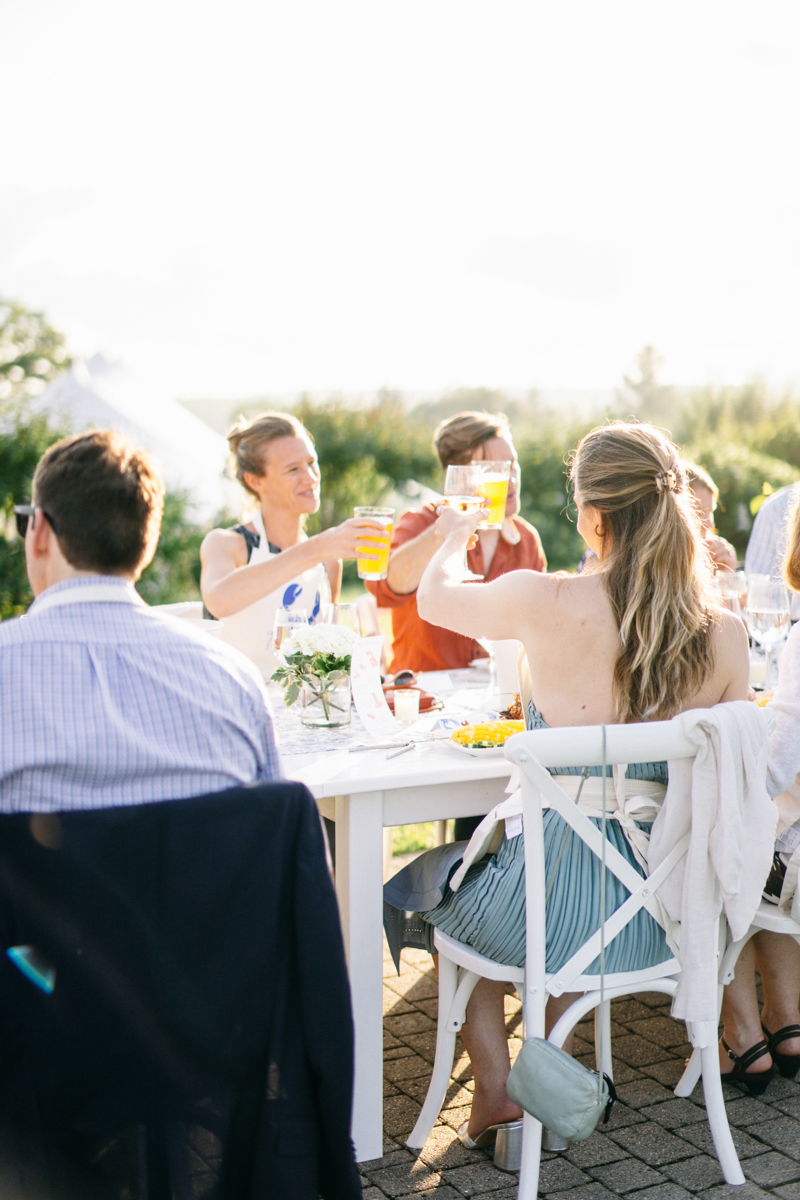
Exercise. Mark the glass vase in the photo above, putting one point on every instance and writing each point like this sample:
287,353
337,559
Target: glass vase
325,703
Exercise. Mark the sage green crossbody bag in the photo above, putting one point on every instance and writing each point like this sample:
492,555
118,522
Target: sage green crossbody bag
550,1084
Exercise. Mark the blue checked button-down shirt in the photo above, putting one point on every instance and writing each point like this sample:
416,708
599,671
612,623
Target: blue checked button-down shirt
105,703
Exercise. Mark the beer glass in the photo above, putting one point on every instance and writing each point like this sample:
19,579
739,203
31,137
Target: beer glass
375,543
495,477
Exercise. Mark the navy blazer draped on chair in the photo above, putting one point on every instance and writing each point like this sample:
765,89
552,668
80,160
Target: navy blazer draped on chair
198,1040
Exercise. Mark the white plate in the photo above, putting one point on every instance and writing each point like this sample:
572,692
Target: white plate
478,751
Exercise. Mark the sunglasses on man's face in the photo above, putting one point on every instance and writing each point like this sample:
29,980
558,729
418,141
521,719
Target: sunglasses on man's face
23,511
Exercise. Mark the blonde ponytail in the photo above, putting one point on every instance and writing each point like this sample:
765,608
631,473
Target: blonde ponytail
656,572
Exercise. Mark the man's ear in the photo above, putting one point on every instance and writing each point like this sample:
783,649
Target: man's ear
39,539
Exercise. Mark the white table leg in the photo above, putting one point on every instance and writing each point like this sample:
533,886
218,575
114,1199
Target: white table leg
388,849
359,888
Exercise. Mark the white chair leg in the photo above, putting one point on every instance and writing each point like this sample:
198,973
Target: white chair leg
717,1117
531,1157
443,1061
602,1039
688,1080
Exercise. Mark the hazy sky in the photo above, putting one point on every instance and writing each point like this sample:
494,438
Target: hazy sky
256,197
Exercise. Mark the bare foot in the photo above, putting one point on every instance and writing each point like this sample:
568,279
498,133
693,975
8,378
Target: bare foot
494,1110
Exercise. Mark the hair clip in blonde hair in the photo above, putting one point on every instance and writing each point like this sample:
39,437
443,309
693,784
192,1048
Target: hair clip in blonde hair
668,480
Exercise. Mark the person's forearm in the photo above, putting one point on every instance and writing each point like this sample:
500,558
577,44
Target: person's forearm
407,562
248,584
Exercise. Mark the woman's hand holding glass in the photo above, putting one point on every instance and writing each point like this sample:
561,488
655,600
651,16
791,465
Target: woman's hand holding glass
348,539
459,518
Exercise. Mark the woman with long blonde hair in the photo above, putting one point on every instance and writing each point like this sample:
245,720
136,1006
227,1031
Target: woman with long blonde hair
639,638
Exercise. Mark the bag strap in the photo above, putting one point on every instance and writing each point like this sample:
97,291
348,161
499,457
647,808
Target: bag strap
601,1048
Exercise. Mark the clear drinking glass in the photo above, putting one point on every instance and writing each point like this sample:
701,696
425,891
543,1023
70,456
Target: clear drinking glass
375,568
285,618
463,491
343,614
495,479
768,618
732,588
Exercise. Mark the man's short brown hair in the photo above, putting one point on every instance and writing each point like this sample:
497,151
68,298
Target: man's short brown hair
456,439
105,498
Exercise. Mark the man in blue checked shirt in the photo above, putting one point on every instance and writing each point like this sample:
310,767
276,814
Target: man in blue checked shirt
104,701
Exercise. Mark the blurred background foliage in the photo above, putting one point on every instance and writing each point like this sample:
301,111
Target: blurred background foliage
747,437
31,354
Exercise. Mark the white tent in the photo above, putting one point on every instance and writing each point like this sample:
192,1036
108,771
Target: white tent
98,394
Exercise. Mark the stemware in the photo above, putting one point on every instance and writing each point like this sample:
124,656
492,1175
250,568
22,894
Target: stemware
343,614
768,618
732,589
285,618
463,491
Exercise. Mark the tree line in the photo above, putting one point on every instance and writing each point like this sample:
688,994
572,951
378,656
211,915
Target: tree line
747,437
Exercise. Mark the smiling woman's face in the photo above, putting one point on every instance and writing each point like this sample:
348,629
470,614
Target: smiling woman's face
291,478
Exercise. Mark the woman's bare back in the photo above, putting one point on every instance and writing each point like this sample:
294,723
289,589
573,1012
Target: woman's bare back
572,642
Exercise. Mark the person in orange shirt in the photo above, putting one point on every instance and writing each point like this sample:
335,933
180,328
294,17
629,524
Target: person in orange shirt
417,645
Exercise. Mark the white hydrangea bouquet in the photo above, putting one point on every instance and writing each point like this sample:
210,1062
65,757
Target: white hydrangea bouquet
317,659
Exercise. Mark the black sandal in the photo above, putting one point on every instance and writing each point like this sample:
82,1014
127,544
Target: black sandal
787,1064
754,1084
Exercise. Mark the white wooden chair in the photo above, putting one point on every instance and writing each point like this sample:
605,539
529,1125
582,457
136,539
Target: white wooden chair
460,967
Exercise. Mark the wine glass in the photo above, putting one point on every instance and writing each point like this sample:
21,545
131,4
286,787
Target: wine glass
285,618
768,618
732,589
463,491
345,615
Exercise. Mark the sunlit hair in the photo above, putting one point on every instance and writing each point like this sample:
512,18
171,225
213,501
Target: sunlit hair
248,441
791,563
655,569
456,439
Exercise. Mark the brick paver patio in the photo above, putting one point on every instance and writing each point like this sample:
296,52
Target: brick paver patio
655,1146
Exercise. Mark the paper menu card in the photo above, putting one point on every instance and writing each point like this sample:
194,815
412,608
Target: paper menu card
368,697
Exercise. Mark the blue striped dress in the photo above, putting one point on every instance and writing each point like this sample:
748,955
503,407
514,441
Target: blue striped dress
488,910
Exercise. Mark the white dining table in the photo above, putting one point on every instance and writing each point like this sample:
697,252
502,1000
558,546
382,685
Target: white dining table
364,793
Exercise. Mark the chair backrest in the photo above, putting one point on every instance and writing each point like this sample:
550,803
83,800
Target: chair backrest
582,746
181,945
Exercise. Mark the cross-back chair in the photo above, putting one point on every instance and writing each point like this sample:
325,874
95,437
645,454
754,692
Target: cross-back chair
460,967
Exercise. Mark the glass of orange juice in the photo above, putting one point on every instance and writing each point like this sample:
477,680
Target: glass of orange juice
375,543
494,485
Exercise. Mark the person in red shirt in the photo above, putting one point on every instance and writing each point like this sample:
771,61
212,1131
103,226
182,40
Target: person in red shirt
418,645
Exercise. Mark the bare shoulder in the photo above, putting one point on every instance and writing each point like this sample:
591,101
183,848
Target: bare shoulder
728,633
224,544
731,657
553,597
